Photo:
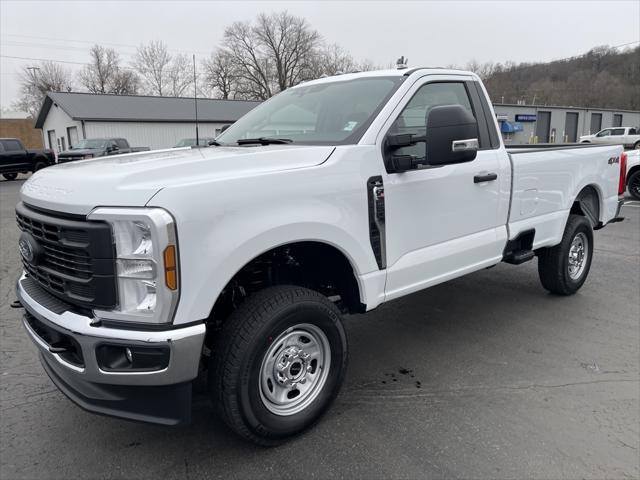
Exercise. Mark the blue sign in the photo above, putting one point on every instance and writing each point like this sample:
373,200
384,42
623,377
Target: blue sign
527,117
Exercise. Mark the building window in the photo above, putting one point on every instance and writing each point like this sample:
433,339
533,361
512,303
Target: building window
617,120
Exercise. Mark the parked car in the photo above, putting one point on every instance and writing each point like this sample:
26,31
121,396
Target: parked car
98,147
15,159
191,142
633,173
627,136
237,262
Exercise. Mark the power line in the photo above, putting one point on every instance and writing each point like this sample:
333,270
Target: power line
89,42
15,57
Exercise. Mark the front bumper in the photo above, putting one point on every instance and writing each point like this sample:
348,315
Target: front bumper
157,396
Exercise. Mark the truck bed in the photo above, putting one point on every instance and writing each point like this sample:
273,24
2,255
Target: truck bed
546,178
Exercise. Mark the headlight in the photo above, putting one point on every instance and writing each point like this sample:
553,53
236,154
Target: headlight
146,263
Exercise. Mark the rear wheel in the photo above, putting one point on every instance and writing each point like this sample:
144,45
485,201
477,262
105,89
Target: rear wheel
637,145
633,185
278,363
563,269
10,176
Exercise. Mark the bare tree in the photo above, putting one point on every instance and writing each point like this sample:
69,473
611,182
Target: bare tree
152,62
271,54
330,60
125,82
179,76
104,74
220,75
162,73
36,82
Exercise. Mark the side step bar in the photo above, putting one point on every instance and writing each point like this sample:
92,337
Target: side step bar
517,258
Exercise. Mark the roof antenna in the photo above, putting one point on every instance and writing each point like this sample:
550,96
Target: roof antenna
402,63
195,98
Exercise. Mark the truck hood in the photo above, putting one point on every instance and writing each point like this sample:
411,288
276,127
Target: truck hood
133,179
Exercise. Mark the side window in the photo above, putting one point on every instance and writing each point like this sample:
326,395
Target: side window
604,133
1,147
412,118
632,131
617,131
12,145
121,143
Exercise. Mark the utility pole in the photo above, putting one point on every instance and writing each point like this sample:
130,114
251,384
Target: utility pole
195,98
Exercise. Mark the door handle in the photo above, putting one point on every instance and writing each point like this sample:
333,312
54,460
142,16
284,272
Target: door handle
485,177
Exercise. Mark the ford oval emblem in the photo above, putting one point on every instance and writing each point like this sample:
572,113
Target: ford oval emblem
28,248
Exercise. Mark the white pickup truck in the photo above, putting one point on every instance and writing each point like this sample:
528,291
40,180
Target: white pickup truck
236,262
626,136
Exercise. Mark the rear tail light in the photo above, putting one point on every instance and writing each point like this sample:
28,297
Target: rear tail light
622,186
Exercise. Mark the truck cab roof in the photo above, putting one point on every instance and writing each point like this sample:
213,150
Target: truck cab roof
395,72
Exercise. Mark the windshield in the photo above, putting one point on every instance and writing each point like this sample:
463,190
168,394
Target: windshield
90,143
325,114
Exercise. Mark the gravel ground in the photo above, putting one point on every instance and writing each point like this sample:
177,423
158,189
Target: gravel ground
487,376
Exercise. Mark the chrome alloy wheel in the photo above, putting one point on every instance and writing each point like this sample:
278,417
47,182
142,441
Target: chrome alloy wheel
294,369
578,255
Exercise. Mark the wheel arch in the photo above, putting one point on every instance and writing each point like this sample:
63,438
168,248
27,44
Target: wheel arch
588,203
631,171
316,264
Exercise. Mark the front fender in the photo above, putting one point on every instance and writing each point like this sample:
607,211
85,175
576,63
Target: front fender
224,225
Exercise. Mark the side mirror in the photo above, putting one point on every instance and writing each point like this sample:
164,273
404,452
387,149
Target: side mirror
224,127
452,135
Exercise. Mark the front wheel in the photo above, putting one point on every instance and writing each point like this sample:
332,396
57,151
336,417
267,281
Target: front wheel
10,176
636,146
563,269
278,363
633,185
39,166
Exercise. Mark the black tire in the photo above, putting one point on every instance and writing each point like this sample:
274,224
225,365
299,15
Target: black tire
633,185
10,176
553,262
241,348
636,145
39,166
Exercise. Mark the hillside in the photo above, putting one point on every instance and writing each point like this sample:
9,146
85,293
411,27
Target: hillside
604,77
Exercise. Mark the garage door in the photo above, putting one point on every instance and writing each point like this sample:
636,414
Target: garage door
543,126
571,126
596,123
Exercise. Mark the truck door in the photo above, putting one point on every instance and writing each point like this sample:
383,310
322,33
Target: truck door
14,156
441,221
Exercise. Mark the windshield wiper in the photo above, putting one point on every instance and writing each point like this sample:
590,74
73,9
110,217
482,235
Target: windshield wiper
264,141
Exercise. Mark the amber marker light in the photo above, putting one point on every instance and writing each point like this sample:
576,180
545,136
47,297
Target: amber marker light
170,272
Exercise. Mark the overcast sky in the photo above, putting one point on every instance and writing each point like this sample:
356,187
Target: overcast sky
429,33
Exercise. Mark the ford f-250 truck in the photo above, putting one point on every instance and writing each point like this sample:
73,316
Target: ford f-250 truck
236,262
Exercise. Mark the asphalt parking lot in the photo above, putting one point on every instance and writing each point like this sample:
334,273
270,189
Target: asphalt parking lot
487,376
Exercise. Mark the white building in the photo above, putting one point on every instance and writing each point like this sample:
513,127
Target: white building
145,121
